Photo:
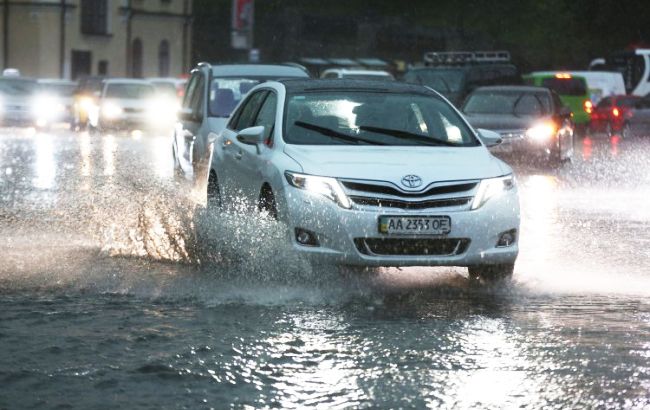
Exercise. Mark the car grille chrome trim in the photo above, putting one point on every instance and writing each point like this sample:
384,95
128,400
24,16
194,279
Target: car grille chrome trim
411,246
382,194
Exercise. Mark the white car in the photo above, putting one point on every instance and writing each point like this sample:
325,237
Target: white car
128,103
357,74
370,174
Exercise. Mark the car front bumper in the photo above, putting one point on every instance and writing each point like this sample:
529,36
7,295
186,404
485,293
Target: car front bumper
343,234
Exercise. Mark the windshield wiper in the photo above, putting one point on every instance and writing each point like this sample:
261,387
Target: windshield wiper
410,136
335,134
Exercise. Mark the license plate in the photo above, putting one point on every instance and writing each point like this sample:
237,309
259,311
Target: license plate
410,225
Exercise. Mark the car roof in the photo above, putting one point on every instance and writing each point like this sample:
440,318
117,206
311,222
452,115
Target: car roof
56,81
519,88
126,81
258,70
337,84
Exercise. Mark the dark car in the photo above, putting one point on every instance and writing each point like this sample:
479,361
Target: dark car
456,74
612,114
532,121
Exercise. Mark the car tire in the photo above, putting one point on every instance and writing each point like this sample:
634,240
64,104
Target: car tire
213,192
491,273
267,203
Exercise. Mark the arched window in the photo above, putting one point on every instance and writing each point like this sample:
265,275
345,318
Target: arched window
136,58
163,59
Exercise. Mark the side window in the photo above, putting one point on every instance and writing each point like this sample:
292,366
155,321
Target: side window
266,116
197,99
189,91
249,110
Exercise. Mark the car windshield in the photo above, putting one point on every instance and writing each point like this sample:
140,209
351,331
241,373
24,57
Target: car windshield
377,118
129,91
17,87
566,86
443,81
60,89
508,102
376,77
226,93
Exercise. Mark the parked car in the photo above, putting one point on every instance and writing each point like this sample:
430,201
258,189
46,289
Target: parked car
211,95
456,74
54,102
573,92
86,99
371,174
612,113
532,121
358,74
17,98
127,104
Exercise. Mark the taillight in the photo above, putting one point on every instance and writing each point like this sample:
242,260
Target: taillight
615,112
588,106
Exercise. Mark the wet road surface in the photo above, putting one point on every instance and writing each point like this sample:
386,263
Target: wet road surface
107,300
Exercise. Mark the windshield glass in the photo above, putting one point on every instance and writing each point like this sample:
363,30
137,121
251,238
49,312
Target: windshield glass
443,81
226,93
566,86
508,102
356,117
62,89
17,87
129,91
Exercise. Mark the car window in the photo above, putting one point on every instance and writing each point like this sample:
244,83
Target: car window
17,87
197,101
605,103
191,89
362,118
226,93
129,91
248,112
566,86
507,102
266,116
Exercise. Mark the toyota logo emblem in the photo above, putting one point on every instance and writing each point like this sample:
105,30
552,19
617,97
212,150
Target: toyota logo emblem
411,181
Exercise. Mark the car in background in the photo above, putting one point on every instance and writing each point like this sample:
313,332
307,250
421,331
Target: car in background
532,121
370,173
612,114
169,85
212,93
17,100
129,104
54,102
573,92
456,74
86,99
357,74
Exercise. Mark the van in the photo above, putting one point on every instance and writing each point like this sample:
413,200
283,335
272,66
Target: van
573,92
601,84
456,74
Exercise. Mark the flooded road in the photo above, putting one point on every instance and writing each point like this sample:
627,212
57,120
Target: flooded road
106,299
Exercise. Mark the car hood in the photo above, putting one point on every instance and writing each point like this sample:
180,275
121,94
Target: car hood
393,163
501,122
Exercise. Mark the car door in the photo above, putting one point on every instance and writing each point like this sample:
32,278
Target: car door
230,152
189,123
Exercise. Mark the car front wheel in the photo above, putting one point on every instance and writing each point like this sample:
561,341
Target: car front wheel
492,273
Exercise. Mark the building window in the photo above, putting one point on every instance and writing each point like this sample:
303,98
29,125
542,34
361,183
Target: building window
136,58
163,59
94,17
80,64
102,67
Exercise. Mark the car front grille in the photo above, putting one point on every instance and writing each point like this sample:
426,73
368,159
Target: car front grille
411,246
456,195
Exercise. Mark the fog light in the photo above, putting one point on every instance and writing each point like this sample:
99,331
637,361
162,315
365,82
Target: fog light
306,238
507,238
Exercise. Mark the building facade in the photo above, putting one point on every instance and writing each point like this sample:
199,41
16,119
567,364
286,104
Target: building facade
76,38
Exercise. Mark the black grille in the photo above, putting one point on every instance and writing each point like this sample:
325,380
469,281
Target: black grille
387,190
395,203
411,246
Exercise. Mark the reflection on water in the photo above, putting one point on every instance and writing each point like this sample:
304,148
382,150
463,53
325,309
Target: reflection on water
45,165
109,147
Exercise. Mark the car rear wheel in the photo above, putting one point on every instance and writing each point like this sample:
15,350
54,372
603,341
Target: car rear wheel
491,273
267,203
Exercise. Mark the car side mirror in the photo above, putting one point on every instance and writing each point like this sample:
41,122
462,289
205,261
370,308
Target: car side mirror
186,114
252,136
489,138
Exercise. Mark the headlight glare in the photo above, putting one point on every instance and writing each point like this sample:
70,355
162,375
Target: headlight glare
111,110
542,132
493,187
325,186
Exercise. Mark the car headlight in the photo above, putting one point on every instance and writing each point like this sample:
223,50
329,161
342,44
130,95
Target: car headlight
111,110
327,187
492,187
47,106
542,132
163,109
86,104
